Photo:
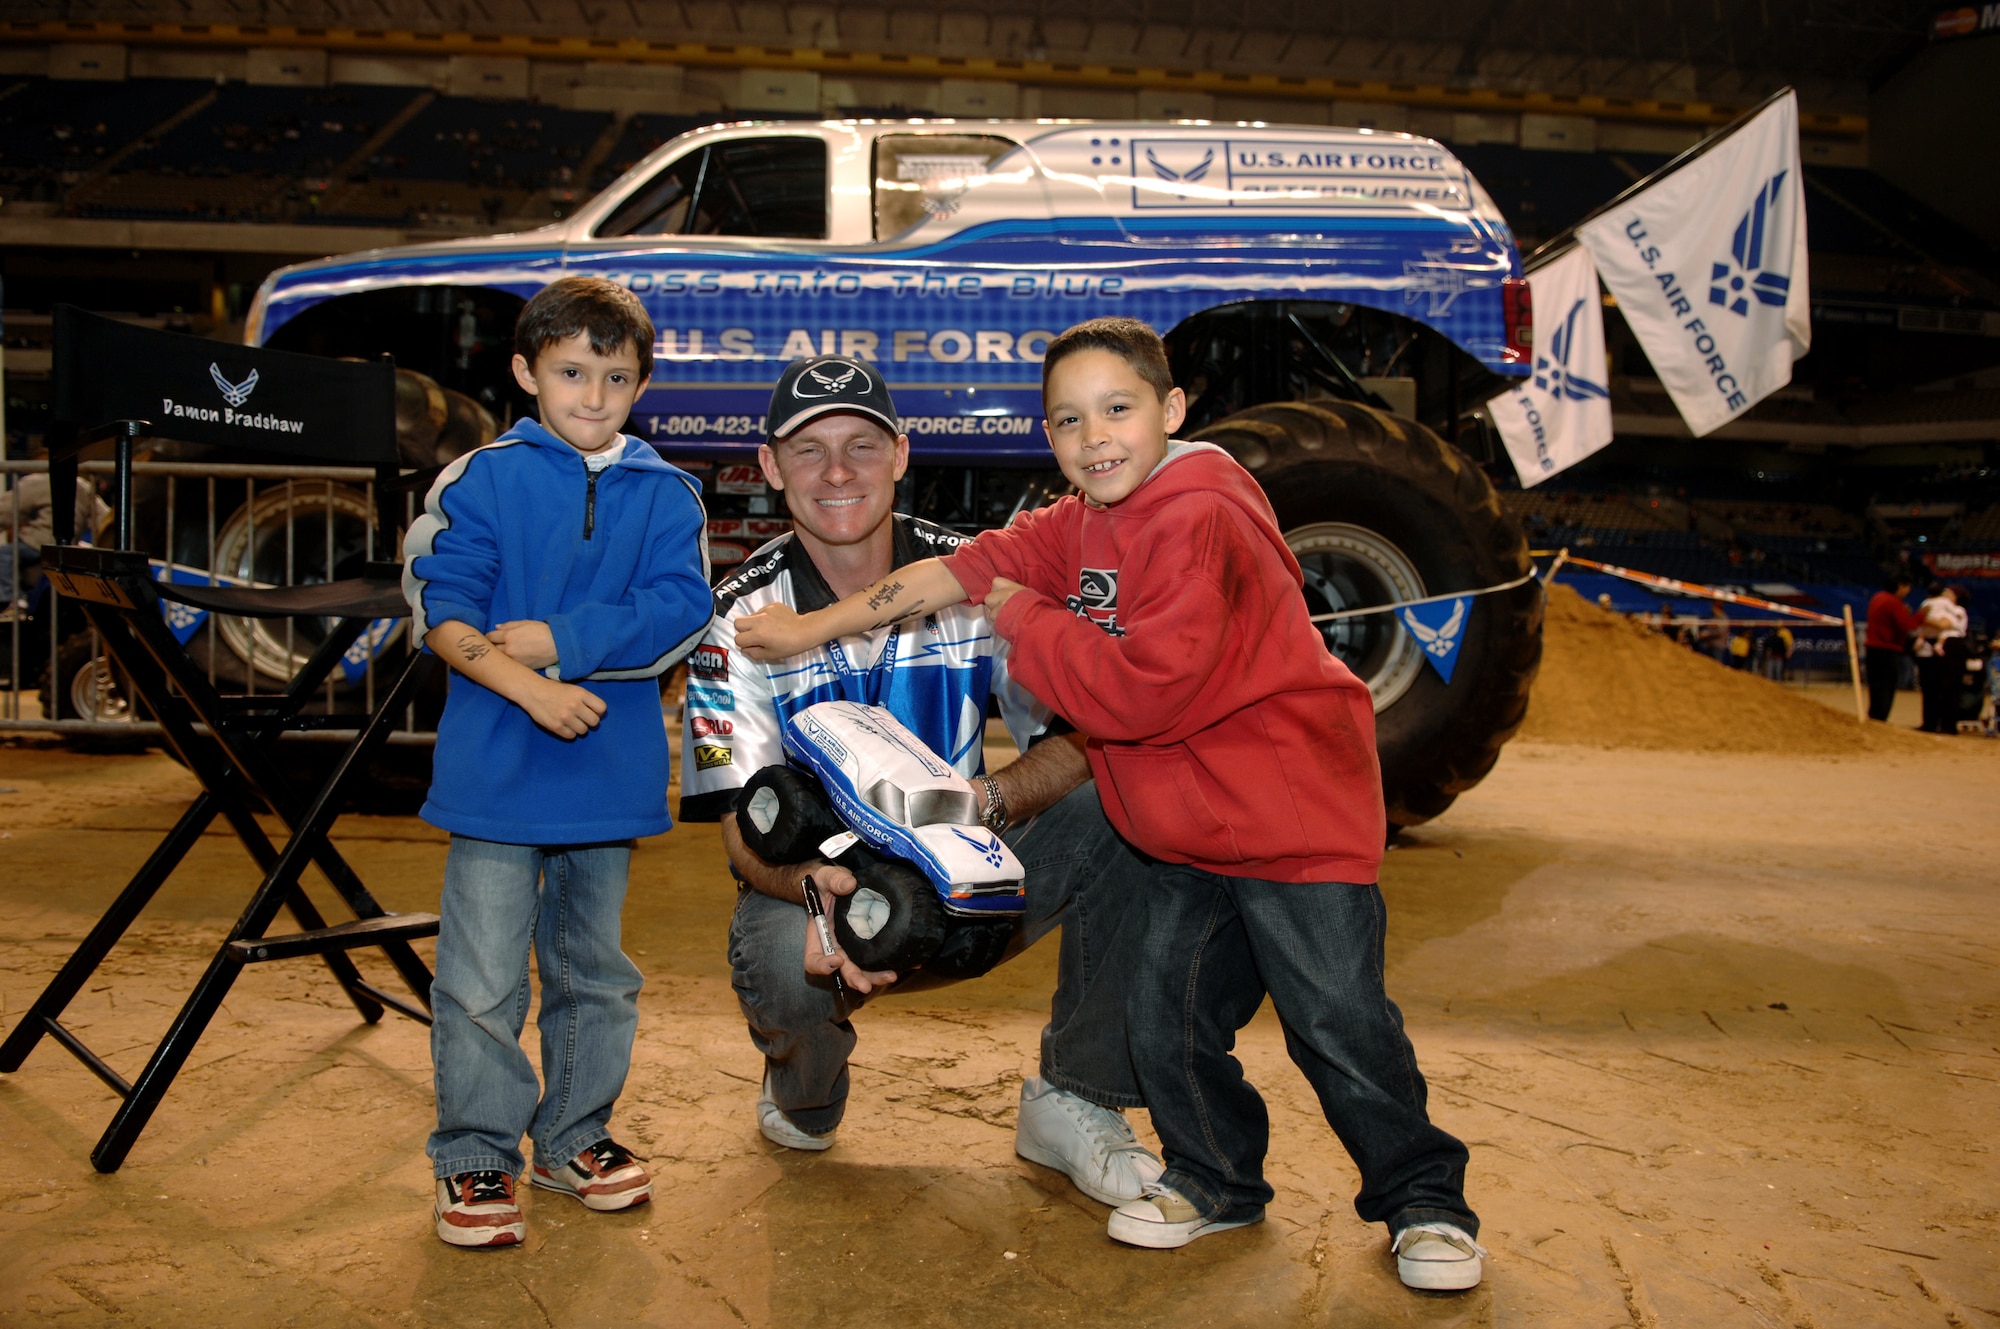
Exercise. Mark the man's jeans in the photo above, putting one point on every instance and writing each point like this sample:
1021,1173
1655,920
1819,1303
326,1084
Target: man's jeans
1079,875
492,914
1213,946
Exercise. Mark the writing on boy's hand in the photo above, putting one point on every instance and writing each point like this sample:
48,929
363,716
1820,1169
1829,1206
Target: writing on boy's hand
526,641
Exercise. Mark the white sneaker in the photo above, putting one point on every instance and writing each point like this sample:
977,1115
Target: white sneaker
1093,1145
1438,1257
778,1127
1162,1219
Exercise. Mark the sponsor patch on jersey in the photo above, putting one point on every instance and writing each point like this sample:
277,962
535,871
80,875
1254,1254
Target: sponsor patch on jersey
715,699
708,756
708,661
705,725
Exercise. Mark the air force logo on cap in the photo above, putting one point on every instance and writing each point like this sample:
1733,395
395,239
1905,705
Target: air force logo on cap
830,381
822,385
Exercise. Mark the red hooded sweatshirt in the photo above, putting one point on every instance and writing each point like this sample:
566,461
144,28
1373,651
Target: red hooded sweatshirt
1171,630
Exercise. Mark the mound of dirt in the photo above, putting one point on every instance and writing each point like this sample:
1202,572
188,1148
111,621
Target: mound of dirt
1608,682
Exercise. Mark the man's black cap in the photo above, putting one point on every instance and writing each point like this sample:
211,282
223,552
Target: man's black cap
811,388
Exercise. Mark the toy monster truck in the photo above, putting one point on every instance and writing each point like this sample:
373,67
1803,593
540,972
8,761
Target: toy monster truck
1335,304
935,888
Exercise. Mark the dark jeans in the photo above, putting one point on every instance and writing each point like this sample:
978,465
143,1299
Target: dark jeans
1213,947
1080,876
1938,675
1883,665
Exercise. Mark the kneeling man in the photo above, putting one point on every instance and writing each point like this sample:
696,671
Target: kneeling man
835,453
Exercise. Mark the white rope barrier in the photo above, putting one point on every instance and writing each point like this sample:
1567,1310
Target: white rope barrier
1521,580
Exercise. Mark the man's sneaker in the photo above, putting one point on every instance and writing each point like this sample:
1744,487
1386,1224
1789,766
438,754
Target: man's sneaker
605,1177
1437,1257
1163,1219
1093,1144
778,1127
479,1209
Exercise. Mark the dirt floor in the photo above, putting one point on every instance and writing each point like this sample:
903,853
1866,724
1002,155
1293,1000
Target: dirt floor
1722,1029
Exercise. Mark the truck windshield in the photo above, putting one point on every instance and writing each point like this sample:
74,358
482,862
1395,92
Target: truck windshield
773,187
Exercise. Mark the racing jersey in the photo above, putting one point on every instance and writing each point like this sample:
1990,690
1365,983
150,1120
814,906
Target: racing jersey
934,674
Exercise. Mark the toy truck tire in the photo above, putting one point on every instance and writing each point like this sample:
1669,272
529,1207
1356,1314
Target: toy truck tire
892,920
1380,509
972,947
783,815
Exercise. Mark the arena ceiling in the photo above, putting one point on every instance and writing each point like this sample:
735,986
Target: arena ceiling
1692,48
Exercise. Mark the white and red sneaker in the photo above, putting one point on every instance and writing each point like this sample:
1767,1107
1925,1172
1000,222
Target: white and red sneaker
479,1209
605,1177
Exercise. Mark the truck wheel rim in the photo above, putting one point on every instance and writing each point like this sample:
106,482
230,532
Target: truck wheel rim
1352,567
280,538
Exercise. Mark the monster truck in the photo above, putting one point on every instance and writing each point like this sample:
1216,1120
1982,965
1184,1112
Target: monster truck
1334,303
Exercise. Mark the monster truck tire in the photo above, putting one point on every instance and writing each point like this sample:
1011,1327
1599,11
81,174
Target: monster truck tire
783,815
972,946
892,920
1380,509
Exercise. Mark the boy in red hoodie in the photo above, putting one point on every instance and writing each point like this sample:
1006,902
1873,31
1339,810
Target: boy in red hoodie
1159,611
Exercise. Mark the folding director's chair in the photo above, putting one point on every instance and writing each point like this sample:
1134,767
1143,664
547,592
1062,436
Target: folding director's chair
124,383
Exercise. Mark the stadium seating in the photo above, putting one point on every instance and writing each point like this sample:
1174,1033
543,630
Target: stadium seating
494,144
52,131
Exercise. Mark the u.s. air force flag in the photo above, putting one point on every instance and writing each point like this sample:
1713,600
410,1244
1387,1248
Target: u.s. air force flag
1709,267
1560,414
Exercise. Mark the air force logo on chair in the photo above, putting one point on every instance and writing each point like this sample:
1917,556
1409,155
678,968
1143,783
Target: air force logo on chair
233,393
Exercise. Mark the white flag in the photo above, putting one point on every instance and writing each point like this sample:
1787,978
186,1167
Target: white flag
1560,415
1709,267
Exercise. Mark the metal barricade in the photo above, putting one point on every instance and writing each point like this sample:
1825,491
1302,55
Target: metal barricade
219,523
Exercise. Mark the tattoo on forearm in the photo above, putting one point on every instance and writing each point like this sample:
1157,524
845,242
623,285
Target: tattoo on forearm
473,645
910,610
886,595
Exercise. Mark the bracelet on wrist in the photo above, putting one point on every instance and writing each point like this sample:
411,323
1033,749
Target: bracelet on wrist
994,818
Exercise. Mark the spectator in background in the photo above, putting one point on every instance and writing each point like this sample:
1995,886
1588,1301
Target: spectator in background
1940,650
22,536
1712,639
1739,650
1890,625
1778,653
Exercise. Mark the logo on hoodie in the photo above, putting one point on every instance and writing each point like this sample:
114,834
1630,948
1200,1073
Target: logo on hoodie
1096,598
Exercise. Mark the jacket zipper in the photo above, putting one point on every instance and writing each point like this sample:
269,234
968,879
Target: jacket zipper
590,506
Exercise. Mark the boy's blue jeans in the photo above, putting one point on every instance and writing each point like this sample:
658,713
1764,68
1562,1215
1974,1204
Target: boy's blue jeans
1080,876
500,902
1213,946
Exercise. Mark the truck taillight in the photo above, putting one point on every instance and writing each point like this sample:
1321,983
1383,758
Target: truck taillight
1517,305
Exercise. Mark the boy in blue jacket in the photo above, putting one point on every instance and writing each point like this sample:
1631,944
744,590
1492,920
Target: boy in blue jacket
560,570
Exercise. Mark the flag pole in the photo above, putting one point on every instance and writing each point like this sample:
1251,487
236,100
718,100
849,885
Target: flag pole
1564,240
1854,664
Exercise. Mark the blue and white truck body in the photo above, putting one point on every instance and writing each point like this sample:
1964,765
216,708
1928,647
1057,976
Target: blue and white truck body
950,252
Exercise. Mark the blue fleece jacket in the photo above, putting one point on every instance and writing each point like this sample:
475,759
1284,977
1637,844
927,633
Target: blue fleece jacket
617,566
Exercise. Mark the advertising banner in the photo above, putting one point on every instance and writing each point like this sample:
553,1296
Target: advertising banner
1709,267
1951,565
1560,415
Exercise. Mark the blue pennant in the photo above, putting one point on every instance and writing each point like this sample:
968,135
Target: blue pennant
1439,628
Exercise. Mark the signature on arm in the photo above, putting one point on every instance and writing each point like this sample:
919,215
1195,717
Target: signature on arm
473,645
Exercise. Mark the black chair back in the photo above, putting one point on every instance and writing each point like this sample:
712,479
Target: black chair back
120,381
